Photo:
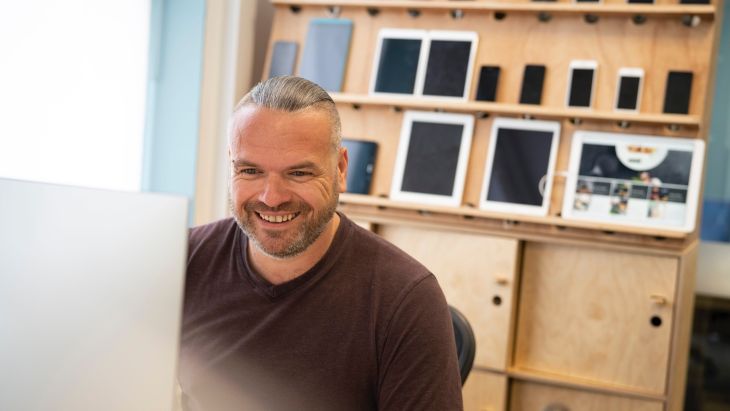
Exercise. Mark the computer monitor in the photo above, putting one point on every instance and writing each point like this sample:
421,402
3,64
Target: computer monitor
91,286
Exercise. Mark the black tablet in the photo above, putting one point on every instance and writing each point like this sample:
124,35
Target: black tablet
433,152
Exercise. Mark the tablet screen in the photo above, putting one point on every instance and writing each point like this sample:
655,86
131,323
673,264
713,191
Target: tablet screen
448,64
432,158
521,159
398,65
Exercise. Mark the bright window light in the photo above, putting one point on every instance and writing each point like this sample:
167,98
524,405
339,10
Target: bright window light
73,80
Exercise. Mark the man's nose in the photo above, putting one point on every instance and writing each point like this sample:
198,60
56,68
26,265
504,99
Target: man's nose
274,192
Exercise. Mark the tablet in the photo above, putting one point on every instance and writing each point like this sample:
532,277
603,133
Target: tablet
634,180
360,165
399,62
518,177
449,64
283,58
432,156
325,52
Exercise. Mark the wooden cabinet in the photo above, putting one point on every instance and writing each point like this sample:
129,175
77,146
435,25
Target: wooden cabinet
596,315
528,396
485,391
568,314
477,274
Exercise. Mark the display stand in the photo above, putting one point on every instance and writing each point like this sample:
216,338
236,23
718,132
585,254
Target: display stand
567,313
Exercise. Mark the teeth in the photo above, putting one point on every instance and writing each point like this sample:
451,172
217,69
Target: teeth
277,218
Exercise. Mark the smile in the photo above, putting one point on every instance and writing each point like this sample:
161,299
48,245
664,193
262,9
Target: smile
277,218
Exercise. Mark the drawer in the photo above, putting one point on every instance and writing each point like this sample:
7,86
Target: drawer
598,315
485,391
528,396
477,275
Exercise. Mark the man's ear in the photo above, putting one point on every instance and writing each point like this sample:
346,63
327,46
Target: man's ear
342,161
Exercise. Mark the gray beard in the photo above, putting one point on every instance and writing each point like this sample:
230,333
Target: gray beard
307,234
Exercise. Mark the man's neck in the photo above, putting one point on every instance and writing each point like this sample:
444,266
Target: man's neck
278,271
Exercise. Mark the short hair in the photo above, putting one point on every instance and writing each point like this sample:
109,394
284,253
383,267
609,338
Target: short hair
292,94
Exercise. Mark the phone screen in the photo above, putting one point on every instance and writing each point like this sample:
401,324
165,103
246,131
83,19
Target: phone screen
581,87
628,92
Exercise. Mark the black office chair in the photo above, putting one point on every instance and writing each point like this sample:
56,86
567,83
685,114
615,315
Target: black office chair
465,343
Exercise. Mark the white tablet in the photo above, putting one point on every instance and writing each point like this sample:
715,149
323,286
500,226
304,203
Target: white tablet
581,83
432,157
399,63
635,180
450,64
519,172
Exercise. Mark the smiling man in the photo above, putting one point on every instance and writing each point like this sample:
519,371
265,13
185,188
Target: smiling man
289,305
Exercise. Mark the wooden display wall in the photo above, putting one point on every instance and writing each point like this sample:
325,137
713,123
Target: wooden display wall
656,38
571,314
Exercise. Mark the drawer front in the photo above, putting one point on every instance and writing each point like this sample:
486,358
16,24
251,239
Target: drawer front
485,391
599,315
477,274
527,396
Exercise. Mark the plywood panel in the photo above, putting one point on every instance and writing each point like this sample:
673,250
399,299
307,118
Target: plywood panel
586,313
536,397
474,271
485,391
658,45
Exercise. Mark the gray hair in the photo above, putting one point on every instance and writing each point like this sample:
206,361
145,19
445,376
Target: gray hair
292,94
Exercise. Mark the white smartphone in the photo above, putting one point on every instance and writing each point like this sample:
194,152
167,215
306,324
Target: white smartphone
628,89
581,83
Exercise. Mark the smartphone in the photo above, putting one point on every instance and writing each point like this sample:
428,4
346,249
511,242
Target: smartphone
678,92
532,82
581,81
487,87
628,89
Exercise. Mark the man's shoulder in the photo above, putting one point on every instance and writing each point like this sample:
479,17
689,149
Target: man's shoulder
211,237
384,258
212,230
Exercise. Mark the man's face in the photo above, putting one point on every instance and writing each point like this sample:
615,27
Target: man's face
285,177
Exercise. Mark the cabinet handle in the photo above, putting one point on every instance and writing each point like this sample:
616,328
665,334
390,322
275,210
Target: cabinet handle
658,299
502,281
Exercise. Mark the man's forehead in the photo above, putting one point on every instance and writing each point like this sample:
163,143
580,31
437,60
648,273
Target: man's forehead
265,126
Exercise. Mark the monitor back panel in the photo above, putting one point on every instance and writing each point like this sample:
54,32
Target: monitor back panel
90,297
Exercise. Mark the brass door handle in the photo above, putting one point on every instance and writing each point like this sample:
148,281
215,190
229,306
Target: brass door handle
658,299
502,281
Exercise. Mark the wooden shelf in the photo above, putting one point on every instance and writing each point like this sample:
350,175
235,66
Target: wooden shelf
428,103
707,11
470,212
582,384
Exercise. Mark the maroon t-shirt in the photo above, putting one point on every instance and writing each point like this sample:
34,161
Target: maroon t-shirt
366,328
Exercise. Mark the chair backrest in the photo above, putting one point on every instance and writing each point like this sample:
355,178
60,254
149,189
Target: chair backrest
465,344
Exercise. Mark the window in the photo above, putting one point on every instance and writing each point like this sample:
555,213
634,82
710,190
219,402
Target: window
74,81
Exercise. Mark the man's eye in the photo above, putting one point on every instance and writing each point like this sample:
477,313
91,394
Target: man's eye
250,171
300,173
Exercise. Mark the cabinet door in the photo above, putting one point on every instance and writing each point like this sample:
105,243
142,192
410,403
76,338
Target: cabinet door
477,274
485,391
598,315
528,396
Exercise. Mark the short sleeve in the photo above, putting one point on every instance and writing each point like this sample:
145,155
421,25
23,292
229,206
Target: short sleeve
418,365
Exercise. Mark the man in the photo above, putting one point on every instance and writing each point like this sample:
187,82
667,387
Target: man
291,306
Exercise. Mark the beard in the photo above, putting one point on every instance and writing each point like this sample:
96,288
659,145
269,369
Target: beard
292,242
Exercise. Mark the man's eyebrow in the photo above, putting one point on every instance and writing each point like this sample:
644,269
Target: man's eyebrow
304,164
243,163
